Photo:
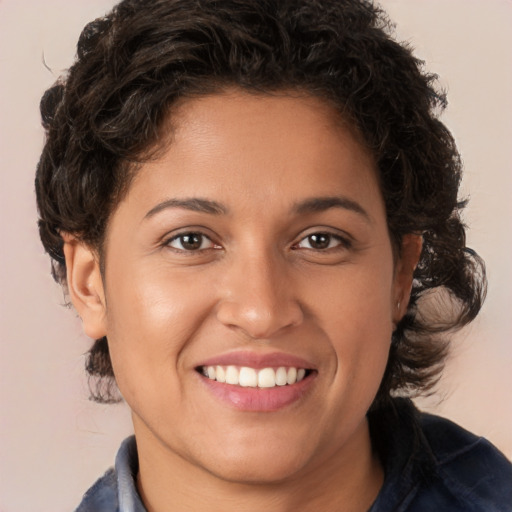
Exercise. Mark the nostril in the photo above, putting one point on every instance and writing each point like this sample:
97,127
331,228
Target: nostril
258,319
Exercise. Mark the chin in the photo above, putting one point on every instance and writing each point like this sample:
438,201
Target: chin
258,470
257,460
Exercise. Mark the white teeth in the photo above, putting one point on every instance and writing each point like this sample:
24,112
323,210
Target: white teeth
291,378
220,374
266,378
281,376
232,375
249,377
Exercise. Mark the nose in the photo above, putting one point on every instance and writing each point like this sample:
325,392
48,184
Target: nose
259,298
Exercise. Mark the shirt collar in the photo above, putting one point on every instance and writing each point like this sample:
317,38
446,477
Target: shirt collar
127,467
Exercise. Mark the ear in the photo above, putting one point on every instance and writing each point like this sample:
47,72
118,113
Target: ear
410,252
85,285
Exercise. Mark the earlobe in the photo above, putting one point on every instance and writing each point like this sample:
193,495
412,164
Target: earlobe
85,285
409,257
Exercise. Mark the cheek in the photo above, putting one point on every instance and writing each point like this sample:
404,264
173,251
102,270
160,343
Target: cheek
151,317
357,318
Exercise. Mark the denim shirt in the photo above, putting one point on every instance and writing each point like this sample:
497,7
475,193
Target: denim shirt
430,464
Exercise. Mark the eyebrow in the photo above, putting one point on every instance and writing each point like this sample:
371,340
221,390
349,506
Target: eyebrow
320,204
193,204
311,205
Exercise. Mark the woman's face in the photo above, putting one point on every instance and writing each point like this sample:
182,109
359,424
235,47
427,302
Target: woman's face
254,249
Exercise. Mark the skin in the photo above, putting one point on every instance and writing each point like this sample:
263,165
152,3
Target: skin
257,283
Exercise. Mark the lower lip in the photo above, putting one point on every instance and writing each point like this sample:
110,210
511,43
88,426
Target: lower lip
259,399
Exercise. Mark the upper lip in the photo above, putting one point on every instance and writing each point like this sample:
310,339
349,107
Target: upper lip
258,360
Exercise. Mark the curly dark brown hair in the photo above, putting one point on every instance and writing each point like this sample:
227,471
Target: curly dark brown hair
134,64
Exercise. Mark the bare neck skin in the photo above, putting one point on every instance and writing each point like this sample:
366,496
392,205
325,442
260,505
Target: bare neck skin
348,481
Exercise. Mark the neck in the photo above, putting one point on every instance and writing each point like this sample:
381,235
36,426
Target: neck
347,480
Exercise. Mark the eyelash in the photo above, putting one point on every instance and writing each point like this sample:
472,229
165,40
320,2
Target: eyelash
181,236
342,242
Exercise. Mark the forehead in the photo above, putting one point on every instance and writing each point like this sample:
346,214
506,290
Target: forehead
272,149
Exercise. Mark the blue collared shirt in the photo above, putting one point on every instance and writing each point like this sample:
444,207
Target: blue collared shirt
430,464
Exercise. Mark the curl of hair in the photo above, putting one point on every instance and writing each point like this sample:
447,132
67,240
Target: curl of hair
134,64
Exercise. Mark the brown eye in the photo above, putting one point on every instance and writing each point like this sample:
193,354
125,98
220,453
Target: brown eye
190,242
322,241
319,240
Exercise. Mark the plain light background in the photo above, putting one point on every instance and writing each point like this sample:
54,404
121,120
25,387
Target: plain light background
53,442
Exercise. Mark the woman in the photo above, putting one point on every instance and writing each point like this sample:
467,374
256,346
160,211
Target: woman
254,209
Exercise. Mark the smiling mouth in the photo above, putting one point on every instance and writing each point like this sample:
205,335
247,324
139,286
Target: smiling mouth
248,377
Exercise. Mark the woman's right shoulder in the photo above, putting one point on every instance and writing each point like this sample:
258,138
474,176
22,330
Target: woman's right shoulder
102,496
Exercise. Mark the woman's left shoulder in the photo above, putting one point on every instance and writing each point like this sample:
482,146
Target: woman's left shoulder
469,467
